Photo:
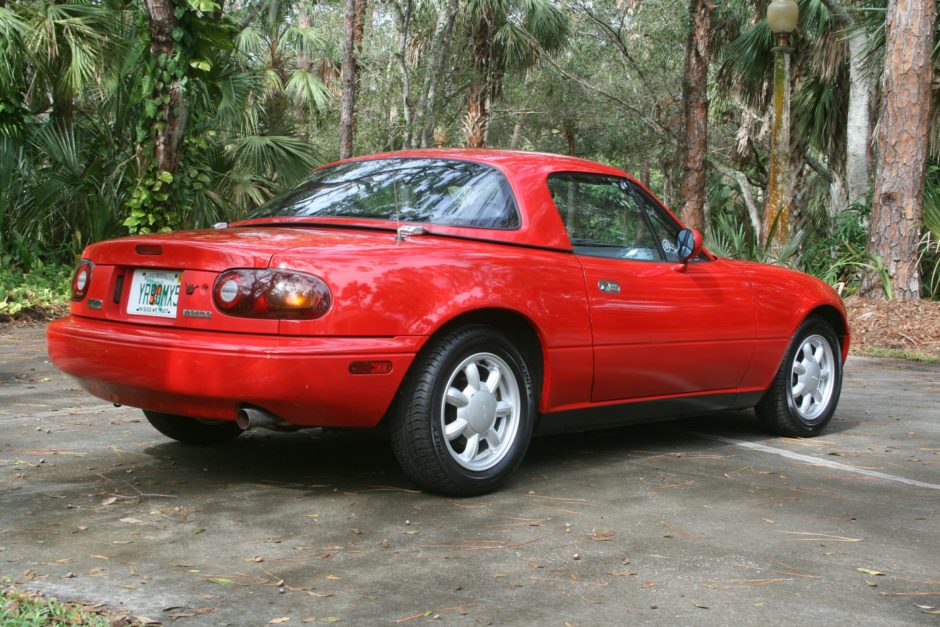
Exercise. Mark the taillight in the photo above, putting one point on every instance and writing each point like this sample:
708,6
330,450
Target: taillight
81,279
271,294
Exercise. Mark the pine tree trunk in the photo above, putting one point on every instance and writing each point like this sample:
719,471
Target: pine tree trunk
903,130
168,140
695,98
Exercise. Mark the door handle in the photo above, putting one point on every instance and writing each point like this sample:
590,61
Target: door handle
609,287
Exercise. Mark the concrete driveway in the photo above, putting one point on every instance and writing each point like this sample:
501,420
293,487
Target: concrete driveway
704,521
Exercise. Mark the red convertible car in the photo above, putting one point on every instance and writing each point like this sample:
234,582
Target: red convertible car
464,299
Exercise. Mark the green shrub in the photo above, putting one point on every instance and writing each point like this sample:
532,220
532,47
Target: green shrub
44,290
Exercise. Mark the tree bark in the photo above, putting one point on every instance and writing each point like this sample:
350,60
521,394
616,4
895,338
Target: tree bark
440,49
517,133
404,16
571,137
167,140
478,114
903,131
858,128
852,187
695,99
347,109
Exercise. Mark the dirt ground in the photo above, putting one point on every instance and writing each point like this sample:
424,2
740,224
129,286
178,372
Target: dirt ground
894,325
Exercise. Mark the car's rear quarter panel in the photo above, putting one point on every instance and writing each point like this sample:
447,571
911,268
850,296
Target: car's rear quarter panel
426,282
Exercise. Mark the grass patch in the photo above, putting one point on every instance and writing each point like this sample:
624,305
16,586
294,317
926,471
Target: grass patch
38,294
897,353
20,609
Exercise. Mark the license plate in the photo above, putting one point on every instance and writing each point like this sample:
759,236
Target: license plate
154,293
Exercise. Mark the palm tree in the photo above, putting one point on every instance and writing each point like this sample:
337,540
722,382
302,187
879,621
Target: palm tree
506,35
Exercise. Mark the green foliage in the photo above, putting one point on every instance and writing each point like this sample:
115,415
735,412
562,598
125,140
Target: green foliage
930,241
18,609
733,238
45,288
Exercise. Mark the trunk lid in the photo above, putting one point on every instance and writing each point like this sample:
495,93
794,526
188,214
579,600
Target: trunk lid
167,279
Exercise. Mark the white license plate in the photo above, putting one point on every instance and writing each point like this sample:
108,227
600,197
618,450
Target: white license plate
154,293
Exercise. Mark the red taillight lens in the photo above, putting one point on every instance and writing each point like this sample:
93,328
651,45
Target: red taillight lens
271,294
81,280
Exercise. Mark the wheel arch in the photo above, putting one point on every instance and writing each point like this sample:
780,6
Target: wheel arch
837,320
518,327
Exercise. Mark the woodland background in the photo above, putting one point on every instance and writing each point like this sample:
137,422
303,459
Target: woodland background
123,116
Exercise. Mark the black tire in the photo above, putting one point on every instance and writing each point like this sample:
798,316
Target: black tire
193,430
784,410
497,423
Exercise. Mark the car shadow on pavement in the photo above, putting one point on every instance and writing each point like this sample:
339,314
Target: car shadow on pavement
349,461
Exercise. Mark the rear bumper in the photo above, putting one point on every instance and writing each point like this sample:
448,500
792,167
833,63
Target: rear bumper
304,380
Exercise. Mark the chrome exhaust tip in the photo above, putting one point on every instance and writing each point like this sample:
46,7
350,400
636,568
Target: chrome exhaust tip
254,418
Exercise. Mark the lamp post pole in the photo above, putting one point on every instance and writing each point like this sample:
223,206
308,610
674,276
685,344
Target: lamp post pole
782,17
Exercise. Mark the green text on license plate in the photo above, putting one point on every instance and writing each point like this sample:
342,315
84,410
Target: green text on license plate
154,293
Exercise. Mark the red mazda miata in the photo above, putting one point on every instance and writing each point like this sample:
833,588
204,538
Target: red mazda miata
465,299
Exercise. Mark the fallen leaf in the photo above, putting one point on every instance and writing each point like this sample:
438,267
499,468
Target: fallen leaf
221,581
278,621
109,500
699,606
869,571
601,535
132,521
332,578
620,573
331,619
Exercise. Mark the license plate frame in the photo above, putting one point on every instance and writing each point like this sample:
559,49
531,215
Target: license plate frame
154,293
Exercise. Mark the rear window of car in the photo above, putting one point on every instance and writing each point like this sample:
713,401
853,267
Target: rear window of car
430,191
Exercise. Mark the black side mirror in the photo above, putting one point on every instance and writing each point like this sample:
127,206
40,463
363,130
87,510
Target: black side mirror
688,244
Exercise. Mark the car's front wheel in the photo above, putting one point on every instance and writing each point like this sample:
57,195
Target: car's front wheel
805,391
466,413
193,430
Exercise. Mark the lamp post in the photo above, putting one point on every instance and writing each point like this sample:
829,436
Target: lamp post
782,17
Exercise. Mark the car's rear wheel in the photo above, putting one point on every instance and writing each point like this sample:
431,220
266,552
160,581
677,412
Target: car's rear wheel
805,391
193,430
466,413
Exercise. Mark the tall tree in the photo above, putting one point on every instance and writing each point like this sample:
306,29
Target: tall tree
161,22
695,105
353,24
440,49
506,34
902,138
858,119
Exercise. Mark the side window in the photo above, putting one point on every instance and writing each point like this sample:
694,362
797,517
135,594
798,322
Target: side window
604,217
667,231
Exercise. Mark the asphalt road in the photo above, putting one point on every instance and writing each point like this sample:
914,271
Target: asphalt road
704,521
